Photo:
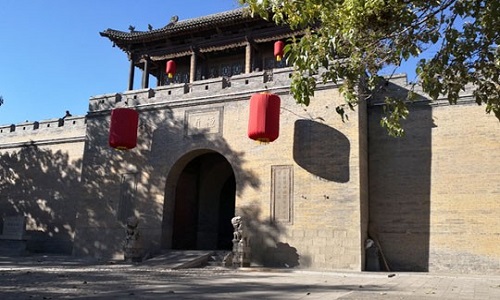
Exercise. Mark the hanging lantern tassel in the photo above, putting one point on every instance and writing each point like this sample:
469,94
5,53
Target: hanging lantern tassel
123,128
279,51
171,68
264,120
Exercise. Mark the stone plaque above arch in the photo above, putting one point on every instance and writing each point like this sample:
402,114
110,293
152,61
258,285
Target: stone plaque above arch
203,121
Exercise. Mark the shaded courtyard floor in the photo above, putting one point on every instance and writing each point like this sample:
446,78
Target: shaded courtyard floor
67,278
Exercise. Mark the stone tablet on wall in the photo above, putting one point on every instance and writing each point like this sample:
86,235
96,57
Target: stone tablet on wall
128,187
14,228
281,194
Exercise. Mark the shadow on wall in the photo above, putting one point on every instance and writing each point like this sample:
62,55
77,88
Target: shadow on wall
315,143
175,146
114,185
42,185
119,184
264,235
400,187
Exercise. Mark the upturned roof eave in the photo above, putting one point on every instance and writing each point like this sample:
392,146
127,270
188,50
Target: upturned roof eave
179,28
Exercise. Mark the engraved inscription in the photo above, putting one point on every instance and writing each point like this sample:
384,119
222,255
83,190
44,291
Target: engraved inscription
281,202
203,122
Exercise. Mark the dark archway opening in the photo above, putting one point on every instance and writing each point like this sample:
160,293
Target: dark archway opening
204,204
226,209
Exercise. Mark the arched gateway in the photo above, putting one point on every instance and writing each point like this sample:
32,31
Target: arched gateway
199,203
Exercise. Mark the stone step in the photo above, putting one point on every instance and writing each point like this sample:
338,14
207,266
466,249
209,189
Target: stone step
176,259
217,259
13,247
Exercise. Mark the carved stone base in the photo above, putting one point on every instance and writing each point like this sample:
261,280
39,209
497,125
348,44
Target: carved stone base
133,254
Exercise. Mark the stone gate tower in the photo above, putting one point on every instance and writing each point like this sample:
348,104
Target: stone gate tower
304,196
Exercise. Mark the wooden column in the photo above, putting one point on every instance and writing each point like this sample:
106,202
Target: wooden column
145,73
248,58
131,73
192,69
159,77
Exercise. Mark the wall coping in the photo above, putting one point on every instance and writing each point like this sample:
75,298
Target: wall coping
44,125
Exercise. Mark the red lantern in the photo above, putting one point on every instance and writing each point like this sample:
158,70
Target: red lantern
279,47
264,121
123,129
171,68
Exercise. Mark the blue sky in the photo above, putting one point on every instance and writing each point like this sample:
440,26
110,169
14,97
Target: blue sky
52,58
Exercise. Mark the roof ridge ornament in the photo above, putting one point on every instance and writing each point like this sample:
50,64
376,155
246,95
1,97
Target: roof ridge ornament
173,20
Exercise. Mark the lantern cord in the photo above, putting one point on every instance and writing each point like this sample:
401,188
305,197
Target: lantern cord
308,116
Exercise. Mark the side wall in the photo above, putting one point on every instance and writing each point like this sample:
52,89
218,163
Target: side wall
40,179
434,194
465,194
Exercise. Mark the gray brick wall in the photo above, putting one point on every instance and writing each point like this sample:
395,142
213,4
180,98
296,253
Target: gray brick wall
323,152
430,198
40,178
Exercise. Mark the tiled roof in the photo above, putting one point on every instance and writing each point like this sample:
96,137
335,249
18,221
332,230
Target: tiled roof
228,17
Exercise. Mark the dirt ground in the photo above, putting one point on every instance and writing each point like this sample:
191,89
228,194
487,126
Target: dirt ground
45,279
